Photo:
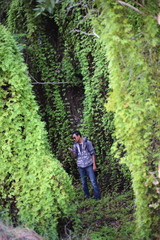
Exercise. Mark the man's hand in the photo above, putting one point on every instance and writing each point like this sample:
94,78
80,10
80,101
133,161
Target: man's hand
71,151
94,167
94,163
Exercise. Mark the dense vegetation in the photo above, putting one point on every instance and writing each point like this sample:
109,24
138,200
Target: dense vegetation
134,79
35,190
93,66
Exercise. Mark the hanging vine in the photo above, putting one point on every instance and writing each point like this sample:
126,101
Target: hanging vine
35,190
63,47
132,47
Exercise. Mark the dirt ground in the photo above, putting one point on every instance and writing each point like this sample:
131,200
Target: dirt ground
10,233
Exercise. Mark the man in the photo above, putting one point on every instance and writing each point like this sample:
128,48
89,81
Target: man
84,152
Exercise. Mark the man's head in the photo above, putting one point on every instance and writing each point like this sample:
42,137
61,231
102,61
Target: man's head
76,135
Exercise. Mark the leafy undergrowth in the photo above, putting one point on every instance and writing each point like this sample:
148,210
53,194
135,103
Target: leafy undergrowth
110,218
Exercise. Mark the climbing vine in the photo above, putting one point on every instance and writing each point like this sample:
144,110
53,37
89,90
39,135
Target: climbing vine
63,55
35,190
81,56
132,47
93,67
46,71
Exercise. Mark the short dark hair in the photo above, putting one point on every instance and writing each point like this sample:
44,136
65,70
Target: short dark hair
77,133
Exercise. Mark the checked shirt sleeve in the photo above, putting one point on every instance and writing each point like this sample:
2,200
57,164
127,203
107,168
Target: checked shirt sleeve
90,148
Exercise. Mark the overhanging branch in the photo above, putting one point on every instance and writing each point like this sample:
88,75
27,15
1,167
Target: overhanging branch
130,6
134,8
43,83
85,33
137,3
54,83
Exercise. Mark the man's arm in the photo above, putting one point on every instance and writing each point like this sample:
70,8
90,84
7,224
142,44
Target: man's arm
92,152
94,162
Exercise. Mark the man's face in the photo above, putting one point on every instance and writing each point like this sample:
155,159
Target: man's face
76,138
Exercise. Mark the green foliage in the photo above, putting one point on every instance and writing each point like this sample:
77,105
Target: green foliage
78,60
110,218
105,232
4,7
47,71
90,61
43,5
132,52
76,79
34,188
21,18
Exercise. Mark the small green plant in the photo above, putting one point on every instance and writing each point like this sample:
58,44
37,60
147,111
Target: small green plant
104,233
